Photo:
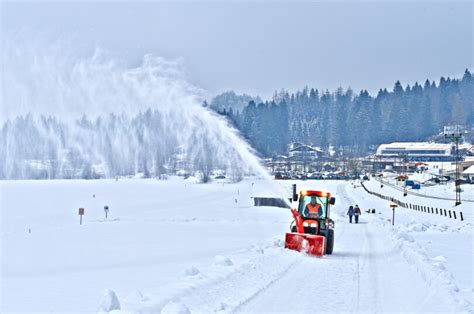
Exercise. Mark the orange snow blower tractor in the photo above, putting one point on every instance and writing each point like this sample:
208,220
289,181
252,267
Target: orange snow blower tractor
312,230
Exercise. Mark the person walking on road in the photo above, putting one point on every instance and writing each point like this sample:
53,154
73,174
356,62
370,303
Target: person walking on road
357,212
350,212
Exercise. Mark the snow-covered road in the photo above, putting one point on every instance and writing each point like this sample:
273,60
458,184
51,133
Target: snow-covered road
367,272
181,246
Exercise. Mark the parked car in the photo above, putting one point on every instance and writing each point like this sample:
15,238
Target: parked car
315,176
278,176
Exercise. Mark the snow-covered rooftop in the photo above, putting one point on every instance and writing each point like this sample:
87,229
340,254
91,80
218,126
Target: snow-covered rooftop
412,147
416,145
469,170
306,148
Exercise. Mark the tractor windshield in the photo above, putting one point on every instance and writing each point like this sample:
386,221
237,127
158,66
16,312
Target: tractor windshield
313,206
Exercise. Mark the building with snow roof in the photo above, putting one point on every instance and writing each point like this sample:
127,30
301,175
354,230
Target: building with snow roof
304,152
469,174
417,151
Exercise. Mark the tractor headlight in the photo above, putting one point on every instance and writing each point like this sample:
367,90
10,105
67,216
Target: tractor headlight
314,225
305,224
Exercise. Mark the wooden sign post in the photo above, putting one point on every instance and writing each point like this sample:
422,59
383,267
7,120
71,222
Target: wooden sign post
106,210
393,206
81,213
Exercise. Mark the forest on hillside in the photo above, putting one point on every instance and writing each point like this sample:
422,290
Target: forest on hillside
352,123
155,143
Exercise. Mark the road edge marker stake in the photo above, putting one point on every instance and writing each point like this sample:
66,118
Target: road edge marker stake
81,213
393,206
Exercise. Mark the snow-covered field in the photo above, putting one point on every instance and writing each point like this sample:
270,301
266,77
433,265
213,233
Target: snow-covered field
173,245
437,196
446,190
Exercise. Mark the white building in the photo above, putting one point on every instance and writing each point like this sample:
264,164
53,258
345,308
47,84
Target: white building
417,151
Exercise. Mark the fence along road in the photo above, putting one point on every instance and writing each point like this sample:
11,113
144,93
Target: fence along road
418,194
426,209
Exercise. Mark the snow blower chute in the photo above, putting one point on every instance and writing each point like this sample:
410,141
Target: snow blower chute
312,230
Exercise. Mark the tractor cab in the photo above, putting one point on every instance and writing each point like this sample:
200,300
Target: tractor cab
312,206
314,209
312,223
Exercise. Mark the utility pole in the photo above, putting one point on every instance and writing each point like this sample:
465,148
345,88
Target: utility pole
454,134
405,173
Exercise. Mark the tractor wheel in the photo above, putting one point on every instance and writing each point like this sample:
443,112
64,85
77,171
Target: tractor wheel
330,242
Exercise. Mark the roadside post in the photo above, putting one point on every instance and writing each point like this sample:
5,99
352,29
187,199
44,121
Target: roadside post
106,211
81,213
393,206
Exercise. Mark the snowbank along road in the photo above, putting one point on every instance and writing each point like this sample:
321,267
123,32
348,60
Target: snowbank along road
177,246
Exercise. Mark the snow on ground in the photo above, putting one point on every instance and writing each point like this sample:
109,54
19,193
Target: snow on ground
376,267
176,246
155,231
446,190
439,196
440,248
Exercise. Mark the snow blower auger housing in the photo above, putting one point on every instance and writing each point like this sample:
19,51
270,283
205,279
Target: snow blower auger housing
312,230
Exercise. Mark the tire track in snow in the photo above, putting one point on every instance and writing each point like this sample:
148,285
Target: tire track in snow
279,277
366,264
341,191
351,278
232,286
334,277
412,286
253,280
365,273
230,293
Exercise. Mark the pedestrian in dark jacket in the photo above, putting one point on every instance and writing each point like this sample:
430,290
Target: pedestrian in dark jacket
357,212
350,212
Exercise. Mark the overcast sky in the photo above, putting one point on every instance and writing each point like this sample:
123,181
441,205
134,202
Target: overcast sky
259,47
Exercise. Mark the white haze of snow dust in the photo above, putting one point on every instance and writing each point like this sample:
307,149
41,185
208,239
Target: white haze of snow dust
54,78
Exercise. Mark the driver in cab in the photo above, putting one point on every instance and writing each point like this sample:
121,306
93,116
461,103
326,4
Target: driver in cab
313,209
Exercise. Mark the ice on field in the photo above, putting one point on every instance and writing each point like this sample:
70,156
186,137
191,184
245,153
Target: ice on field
191,271
278,242
222,307
443,227
109,302
405,236
135,297
174,307
222,260
439,258
417,226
